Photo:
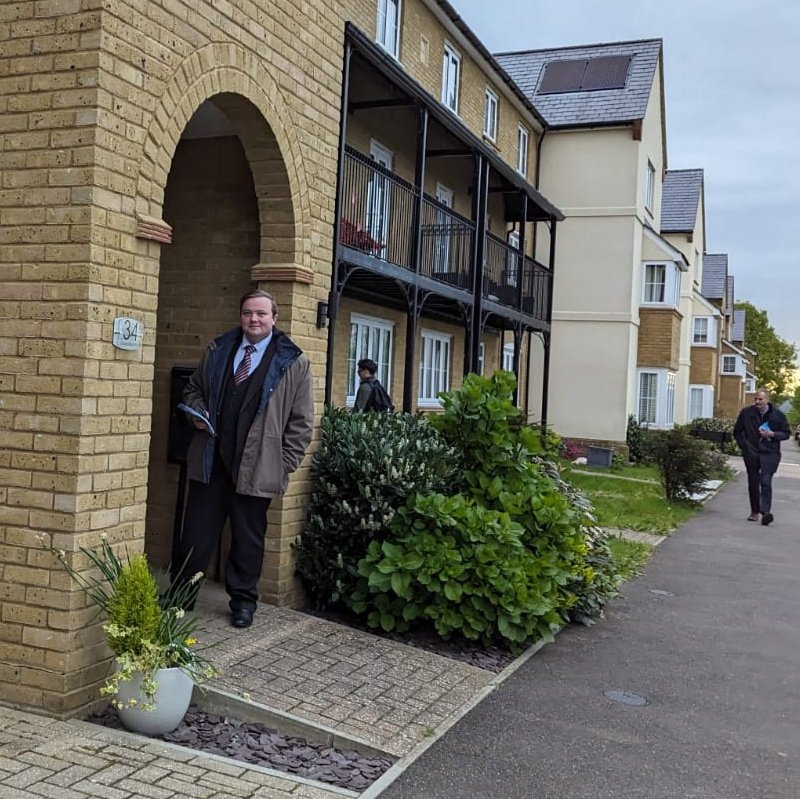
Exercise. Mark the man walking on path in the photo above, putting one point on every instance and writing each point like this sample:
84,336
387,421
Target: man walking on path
759,431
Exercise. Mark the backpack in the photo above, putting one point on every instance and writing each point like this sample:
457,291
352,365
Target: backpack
379,399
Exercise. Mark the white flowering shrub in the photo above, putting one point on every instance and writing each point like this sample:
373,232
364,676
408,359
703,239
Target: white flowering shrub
368,465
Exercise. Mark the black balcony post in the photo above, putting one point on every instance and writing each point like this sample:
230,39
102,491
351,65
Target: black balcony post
546,338
333,295
521,267
480,193
416,257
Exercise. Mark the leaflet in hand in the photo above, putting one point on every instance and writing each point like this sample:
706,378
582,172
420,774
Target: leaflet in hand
193,412
765,426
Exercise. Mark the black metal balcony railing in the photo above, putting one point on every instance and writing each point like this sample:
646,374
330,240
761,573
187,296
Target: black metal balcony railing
377,217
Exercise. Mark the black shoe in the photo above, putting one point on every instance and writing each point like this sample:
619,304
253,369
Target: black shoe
766,519
242,617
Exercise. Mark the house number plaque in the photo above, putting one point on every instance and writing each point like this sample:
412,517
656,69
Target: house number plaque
128,333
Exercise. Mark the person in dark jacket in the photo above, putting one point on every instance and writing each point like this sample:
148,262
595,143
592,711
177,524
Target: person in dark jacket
254,387
758,431
366,373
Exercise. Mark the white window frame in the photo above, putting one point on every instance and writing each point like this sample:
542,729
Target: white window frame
523,138
370,337
508,357
749,385
727,358
379,198
434,368
513,259
660,398
665,291
387,27
451,77
491,105
650,187
441,243
704,331
704,408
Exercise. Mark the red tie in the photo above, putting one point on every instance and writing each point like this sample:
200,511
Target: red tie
243,369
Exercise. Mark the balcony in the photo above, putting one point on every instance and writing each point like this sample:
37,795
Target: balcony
377,231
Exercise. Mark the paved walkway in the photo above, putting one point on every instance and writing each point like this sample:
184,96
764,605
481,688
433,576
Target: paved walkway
386,694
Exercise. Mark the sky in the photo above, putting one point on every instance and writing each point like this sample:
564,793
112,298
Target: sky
732,98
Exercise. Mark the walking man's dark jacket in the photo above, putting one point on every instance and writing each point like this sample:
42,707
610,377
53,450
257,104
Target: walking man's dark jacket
746,431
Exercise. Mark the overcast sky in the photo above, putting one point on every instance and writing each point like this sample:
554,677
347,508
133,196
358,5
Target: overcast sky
732,93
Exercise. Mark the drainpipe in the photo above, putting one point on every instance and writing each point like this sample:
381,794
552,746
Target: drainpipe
548,336
333,294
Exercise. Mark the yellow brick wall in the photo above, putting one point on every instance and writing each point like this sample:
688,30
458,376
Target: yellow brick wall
659,338
89,137
730,398
705,366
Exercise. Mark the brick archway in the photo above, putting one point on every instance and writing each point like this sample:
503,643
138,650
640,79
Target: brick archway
239,85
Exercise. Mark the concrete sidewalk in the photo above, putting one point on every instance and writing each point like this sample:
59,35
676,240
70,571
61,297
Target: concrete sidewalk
399,699
689,688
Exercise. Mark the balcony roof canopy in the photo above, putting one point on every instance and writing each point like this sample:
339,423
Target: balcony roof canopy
405,91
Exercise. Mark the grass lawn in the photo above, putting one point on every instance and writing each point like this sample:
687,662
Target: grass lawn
630,556
629,503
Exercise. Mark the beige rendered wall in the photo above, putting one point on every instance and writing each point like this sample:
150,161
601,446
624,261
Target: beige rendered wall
589,396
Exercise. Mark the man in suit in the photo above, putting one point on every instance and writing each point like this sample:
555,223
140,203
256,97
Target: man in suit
758,431
253,385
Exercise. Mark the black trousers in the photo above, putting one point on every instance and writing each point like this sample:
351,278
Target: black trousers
207,508
760,469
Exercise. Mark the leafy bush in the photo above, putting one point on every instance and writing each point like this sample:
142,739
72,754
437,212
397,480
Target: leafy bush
463,567
366,468
500,561
597,581
638,439
684,462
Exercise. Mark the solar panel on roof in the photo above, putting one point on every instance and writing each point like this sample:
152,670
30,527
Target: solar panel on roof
585,74
607,72
562,76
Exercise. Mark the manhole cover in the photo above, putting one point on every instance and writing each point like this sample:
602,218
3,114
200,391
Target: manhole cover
660,592
625,698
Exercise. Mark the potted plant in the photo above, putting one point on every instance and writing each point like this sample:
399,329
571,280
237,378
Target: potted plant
158,660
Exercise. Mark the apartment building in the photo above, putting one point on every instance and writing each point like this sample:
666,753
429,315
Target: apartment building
718,289
619,309
356,159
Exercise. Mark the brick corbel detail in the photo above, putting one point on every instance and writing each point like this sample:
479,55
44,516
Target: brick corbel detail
148,227
281,273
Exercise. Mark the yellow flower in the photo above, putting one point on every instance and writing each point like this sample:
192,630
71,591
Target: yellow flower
190,641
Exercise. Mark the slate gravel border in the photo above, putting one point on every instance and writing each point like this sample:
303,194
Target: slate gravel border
260,745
